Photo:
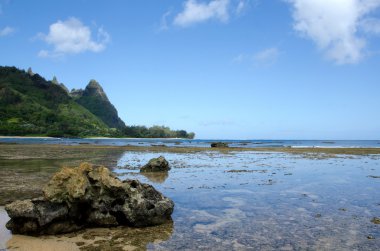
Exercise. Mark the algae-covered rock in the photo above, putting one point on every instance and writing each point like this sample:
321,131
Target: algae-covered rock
159,164
219,144
85,196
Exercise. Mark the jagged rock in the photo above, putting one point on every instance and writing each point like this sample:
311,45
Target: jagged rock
159,164
76,198
76,93
219,144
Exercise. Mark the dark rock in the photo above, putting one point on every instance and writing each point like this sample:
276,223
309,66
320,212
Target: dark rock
159,164
375,220
219,144
86,196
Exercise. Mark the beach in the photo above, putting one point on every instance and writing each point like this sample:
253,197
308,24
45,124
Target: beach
227,198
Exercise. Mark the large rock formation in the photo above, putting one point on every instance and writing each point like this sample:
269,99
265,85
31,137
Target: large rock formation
159,164
88,196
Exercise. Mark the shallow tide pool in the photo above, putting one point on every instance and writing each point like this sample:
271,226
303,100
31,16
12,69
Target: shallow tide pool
242,201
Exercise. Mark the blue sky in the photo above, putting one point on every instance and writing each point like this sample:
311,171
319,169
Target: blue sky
233,69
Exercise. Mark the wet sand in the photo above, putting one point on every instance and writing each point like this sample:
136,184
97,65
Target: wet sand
226,199
119,238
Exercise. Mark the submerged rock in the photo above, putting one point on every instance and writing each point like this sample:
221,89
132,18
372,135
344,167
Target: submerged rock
159,164
88,196
375,220
219,144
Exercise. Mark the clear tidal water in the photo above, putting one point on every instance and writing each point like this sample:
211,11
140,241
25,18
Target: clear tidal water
245,201
196,142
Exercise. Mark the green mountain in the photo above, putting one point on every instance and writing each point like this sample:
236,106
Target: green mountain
31,105
96,101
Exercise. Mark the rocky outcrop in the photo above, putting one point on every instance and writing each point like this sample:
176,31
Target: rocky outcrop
159,164
88,196
219,144
76,93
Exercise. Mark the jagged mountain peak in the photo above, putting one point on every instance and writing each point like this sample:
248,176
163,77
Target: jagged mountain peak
95,89
94,99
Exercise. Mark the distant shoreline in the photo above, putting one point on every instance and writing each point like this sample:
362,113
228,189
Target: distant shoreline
47,137
135,138
26,137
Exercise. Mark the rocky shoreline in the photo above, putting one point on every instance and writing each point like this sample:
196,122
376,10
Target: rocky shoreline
88,196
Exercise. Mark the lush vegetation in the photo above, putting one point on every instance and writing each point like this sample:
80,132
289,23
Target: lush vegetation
31,105
94,99
156,132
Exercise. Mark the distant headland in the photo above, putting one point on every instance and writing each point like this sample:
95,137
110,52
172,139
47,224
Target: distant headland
30,105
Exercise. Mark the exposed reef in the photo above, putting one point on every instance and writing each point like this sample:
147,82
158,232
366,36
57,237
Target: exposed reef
219,144
88,196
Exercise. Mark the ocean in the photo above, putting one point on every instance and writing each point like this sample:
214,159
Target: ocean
198,142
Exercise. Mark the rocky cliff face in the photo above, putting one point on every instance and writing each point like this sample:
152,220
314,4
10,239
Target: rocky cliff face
94,99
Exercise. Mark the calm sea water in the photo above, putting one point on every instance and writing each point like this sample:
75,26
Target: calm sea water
197,142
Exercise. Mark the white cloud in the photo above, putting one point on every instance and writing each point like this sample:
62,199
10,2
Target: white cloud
6,31
267,56
334,25
371,25
197,12
72,37
241,6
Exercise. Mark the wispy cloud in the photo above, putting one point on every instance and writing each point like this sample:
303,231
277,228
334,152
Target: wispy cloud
6,31
164,24
335,25
72,37
239,58
3,3
197,12
241,6
265,57
371,25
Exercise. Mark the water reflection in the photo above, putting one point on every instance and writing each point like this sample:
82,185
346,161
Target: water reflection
156,177
120,238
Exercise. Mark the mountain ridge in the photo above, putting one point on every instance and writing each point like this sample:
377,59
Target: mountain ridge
94,99
32,105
